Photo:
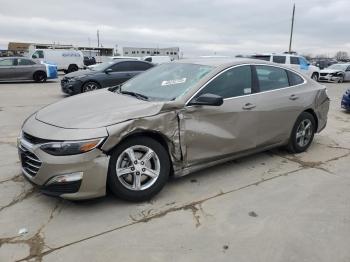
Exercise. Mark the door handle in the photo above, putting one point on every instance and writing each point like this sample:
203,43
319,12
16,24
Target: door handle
293,97
248,106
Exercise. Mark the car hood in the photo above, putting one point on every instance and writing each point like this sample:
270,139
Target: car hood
81,73
96,109
329,71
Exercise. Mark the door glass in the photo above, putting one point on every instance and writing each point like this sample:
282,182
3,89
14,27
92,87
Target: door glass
279,59
22,62
122,67
233,82
38,54
294,79
294,60
261,57
271,78
140,66
7,62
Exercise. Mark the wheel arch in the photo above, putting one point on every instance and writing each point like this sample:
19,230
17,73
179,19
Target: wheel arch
312,112
39,71
90,80
157,136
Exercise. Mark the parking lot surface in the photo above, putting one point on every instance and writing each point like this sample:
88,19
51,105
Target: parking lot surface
270,206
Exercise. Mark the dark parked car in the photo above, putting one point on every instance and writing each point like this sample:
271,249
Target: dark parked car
89,60
102,75
345,102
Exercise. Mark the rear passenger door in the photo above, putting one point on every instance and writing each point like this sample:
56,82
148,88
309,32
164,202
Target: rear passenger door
24,68
279,102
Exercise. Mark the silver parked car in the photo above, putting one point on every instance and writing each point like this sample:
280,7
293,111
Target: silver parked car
336,73
21,68
174,119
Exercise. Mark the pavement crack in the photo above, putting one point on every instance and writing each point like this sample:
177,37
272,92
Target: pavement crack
190,206
22,196
16,178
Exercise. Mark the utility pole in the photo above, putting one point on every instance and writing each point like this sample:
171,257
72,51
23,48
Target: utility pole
98,38
291,31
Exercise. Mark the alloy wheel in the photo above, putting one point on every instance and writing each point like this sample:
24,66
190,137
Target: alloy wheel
90,87
138,167
304,133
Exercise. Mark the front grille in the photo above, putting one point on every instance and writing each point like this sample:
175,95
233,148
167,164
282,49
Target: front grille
34,140
30,162
324,74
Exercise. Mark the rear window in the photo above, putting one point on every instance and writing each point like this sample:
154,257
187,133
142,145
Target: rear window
294,79
21,61
279,59
271,78
7,62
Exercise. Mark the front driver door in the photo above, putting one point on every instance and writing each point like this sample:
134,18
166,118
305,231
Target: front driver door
119,74
214,132
7,69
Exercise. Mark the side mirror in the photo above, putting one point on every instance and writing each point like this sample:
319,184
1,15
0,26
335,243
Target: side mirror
207,100
108,70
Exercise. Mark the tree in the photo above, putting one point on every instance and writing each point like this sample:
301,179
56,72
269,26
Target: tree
341,56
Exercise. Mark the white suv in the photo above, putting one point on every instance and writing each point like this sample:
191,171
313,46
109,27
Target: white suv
295,62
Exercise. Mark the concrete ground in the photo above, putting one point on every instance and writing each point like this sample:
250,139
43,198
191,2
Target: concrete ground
270,206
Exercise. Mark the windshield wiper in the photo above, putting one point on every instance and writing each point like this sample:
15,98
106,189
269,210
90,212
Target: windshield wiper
137,95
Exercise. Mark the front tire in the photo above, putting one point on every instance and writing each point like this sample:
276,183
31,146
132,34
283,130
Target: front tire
341,79
72,68
302,134
315,76
138,169
90,86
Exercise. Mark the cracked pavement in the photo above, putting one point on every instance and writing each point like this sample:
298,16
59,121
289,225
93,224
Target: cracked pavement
271,206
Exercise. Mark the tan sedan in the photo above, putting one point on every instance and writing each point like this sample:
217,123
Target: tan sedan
174,119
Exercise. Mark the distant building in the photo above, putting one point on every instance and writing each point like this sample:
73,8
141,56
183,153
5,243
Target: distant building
173,52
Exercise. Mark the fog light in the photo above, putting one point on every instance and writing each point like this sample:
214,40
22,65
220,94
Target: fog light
66,178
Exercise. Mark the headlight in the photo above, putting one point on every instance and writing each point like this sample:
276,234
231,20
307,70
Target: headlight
70,147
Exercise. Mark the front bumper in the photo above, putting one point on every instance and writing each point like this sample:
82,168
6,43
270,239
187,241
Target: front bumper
71,87
40,167
328,78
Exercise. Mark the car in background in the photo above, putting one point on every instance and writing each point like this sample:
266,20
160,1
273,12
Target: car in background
294,61
157,59
22,68
324,63
174,119
345,102
89,60
336,73
67,60
102,75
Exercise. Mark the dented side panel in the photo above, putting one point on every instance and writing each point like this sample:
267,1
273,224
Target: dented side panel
165,124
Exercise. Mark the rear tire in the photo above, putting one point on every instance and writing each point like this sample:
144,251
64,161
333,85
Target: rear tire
72,68
302,134
90,86
40,77
145,165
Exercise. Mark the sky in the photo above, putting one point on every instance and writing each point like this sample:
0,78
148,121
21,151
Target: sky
198,27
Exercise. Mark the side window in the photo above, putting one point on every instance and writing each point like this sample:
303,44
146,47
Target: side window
234,82
262,57
7,62
294,60
140,66
121,67
294,79
271,78
38,54
279,59
21,61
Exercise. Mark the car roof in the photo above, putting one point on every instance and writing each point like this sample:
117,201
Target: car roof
14,57
219,62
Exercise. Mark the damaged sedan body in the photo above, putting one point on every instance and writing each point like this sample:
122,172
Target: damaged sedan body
174,119
335,73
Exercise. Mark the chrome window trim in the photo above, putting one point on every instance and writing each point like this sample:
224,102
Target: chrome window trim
231,67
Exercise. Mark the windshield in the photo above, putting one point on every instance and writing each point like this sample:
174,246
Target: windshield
338,67
166,82
102,66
